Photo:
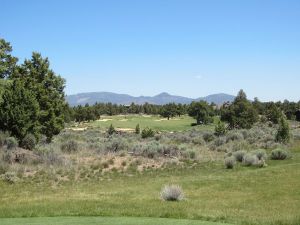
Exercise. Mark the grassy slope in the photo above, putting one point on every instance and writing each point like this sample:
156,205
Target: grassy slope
154,122
249,195
102,221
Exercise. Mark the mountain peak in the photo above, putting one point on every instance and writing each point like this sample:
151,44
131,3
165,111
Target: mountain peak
163,94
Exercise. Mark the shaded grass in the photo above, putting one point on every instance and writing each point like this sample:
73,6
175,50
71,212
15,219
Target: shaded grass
103,221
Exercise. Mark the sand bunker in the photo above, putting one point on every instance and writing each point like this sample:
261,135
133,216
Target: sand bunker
104,120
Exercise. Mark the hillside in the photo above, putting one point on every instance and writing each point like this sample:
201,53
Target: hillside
160,99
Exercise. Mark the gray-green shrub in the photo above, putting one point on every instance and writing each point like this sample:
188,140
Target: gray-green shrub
261,154
239,155
11,142
250,160
69,146
279,154
172,193
229,162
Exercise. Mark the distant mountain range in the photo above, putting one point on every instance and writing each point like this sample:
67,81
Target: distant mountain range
124,99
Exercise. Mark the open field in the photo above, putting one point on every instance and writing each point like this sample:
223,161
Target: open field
243,195
155,122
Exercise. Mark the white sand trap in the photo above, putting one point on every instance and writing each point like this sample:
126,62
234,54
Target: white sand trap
125,129
146,115
123,120
104,120
164,119
78,128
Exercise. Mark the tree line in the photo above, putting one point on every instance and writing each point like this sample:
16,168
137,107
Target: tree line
32,103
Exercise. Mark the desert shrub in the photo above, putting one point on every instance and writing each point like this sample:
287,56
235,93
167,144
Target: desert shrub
3,136
261,154
7,157
250,160
208,136
234,136
11,142
151,149
10,177
69,146
296,134
111,130
239,155
124,163
279,154
220,129
261,163
147,132
219,141
172,193
28,142
198,140
191,154
3,168
116,144
229,162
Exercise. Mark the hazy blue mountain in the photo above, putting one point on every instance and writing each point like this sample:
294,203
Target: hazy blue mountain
163,98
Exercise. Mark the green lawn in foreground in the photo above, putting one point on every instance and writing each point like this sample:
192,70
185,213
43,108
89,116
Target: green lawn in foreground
102,221
154,122
267,196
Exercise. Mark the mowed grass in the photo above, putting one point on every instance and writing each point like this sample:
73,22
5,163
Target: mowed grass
155,122
267,196
102,221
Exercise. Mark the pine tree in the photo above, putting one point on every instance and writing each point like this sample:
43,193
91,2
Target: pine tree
48,90
283,132
19,111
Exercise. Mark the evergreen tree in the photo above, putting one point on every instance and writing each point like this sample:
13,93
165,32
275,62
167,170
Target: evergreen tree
201,111
283,132
220,129
48,89
241,113
19,111
7,61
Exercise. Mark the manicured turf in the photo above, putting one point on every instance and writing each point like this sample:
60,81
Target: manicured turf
154,122
241,196
102,221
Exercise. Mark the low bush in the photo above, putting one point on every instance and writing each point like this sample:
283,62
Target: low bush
147,132
261,154
250,160
239,155
3,136
11,142
208,136
172,193
279,154
10,177
28,142
234,136
69,146
229,162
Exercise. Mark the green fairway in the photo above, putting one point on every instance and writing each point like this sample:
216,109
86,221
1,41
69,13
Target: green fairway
102,221
154,122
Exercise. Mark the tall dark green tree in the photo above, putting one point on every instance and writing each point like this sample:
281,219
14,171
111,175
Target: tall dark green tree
7,61
201,111
168,110
48,89
241,113
19,111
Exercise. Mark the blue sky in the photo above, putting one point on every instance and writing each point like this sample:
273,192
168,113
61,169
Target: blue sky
144,47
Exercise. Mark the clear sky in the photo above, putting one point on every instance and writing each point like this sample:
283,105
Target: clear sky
144,47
